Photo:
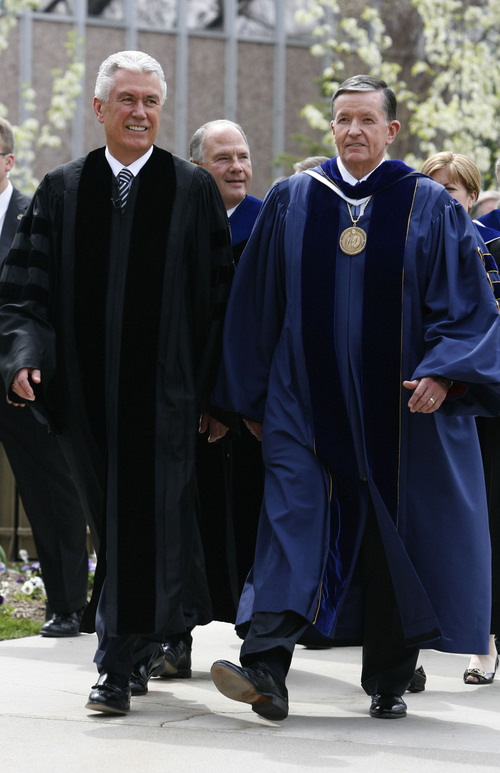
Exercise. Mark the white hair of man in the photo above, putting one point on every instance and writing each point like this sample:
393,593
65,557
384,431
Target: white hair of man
137,61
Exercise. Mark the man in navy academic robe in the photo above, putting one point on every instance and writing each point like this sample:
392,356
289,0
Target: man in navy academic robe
361,339
230,473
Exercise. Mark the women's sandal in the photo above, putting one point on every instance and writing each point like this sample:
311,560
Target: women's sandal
417,684
480,677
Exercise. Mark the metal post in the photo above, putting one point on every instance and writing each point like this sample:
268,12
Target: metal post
231,63
181,81
279,89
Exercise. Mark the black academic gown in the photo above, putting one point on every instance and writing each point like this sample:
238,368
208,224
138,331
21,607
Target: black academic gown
122,314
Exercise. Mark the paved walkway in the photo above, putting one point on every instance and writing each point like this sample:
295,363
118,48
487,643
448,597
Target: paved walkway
187,726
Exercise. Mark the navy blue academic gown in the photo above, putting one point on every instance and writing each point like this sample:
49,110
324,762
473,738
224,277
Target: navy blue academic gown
491,219
316,346
242,221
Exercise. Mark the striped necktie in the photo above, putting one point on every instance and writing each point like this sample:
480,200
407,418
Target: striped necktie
125,178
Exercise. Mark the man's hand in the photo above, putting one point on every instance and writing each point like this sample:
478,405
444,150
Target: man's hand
428,394
255,427
21,383
216,430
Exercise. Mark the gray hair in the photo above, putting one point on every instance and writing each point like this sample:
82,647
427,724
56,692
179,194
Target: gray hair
6,135
367,83
497,169
137,61
196,146
308,163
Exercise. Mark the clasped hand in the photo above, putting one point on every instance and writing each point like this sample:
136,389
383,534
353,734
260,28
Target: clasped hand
216,429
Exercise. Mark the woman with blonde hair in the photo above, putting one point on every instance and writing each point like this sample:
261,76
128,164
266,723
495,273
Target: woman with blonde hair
457,173
462,179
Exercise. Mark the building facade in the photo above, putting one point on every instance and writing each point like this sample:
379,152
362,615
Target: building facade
230,59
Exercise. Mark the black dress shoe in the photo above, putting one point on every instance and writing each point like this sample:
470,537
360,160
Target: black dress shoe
177,654
151,665
255,684
417,684
63,624
387,706
111,695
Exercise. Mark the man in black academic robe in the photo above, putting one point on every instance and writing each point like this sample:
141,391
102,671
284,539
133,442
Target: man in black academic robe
111,314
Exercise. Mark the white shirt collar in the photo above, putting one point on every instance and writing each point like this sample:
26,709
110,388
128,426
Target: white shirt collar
135,167
233,209
347,176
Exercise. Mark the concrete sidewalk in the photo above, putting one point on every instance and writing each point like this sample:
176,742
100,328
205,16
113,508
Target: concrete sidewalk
188,726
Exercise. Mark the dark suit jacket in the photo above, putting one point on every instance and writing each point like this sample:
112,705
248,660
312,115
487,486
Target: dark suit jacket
43,479
17,207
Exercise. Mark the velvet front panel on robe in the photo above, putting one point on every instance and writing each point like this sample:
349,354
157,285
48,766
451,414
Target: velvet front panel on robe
382,301
241,223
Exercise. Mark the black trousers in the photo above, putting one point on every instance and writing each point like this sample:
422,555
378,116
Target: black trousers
52,506
388,665
489,438
118,654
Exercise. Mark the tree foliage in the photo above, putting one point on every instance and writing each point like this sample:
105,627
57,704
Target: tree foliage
9,10
441,60
32,133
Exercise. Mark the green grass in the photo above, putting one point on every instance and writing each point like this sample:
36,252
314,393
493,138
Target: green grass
17,627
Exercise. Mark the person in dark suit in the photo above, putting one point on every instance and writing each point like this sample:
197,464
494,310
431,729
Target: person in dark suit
40,469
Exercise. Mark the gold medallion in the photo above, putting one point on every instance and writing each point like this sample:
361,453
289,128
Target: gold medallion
353,240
